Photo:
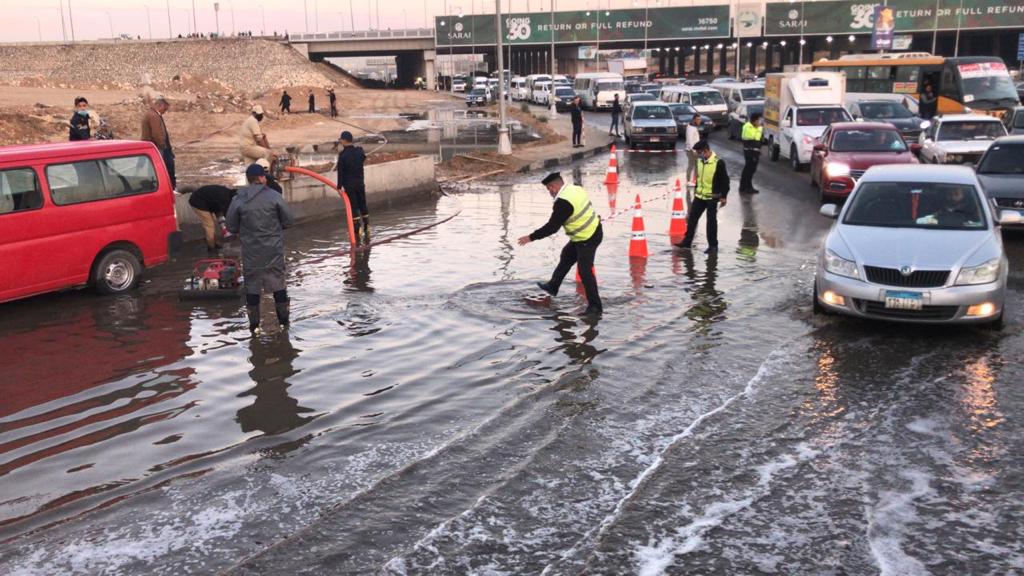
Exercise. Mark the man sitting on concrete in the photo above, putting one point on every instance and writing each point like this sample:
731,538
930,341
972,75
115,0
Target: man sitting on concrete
252,142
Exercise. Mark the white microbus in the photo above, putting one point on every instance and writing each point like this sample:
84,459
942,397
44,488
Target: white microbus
705,99
597,90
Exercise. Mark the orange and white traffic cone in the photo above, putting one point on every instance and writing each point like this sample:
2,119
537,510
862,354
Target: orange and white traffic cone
612,175
613,193
677,225
638,241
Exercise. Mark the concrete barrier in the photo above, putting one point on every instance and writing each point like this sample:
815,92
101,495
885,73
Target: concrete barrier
387,184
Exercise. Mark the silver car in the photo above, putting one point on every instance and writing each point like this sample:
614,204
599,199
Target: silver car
650,123
958,138
915,244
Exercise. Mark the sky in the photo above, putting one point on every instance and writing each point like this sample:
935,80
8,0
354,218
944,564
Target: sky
32,20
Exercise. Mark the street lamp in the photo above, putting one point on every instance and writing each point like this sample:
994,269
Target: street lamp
110,21
504,142
553,109
170,31
39,28
149,23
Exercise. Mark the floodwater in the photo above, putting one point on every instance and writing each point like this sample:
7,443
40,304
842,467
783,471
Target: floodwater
430,413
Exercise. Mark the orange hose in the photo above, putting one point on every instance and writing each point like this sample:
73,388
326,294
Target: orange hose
341,192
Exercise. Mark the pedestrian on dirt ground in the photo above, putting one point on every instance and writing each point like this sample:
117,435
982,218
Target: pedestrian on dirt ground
312,103
709,195
576,115
83,121
211,203
155,130
252,142
573,212
690,139
286,103
753,139
616,114
259,216
334,102
351,161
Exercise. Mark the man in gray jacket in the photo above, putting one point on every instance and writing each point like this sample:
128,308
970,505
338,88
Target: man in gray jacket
258,215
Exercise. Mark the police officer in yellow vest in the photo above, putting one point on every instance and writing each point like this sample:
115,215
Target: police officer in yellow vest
753,139
573,212
709,195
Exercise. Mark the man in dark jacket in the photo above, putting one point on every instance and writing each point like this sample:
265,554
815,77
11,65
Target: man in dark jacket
211,203
709,195
286,103
333,98
929,103
573,212
83,121
312,102
259,216
616,114
576,115
350,178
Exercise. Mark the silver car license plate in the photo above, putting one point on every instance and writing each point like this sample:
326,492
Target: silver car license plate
655,139
897,300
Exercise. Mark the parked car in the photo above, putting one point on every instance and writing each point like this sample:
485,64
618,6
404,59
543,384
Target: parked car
1001,173
83,213
958,138
1013,121
888,111
694,82
915,244
684,114
847,149
725,80
478,97
739,116
632,88
564,95
650,123
458,85
1020,91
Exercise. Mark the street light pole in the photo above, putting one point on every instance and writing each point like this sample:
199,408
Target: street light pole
71,21
553,110
352,14
170,32
195,28
956,46
504,142
63,30
39,28
149,23
110,21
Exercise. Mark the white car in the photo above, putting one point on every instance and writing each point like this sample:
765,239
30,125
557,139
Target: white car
958,138
915,244
458,85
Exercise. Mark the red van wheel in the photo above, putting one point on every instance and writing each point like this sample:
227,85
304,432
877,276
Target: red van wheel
118,271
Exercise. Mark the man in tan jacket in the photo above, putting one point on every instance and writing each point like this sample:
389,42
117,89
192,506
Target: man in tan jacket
252,142
155,130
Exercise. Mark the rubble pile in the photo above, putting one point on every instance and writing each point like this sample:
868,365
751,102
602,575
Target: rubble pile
247,67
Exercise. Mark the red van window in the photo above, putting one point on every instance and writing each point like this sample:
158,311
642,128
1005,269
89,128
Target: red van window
19,190
93,180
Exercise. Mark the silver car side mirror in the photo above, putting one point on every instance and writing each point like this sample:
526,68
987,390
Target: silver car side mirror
925,125
1010,217
830,211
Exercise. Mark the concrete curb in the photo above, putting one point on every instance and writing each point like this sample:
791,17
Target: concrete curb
560,160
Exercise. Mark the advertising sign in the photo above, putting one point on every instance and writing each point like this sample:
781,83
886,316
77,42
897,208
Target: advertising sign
857,16
587,53
884,26
748,20
982,69
1020,46
902,41
586,26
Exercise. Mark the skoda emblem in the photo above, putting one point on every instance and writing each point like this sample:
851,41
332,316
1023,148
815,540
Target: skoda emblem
906,271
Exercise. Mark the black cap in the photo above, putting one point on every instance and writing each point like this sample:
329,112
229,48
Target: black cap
346,136
254,171
551,178
701,145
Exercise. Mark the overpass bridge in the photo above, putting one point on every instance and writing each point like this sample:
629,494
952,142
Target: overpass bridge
413,49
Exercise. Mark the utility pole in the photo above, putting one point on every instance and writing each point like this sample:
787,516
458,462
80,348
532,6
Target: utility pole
504,142
149,23
352,14
110,21
71,21
39,28
63,29
170,33
195,28
552,109
231,5
216,17
305,14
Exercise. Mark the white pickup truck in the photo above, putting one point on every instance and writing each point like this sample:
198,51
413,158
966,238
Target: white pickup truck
798,107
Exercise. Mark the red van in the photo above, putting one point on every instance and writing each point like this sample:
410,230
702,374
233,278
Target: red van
77,213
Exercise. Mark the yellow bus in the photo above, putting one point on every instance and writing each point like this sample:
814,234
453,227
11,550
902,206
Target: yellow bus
968,84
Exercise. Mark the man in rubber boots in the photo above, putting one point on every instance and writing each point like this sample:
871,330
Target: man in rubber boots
709,195
350,177
259,216
753,138
573,212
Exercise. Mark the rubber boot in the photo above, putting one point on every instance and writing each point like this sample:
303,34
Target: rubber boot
546,286
593,310
366,230
357,223
283,310
253,312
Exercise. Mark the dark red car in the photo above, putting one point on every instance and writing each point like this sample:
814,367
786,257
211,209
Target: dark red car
847,149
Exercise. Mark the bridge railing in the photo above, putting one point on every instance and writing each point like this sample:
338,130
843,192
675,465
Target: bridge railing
364,35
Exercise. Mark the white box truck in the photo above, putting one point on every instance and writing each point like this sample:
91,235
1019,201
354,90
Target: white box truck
798,107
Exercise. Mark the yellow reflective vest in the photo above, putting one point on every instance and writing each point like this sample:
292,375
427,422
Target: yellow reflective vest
752,136
706,177
584,220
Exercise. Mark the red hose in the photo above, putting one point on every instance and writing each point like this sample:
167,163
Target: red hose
341,192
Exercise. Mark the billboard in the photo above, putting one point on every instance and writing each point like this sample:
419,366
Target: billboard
884,26
748,20
857,16
634,24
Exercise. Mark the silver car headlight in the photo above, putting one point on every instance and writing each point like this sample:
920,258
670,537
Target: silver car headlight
638,129
841,266
984,274
672,130
953,159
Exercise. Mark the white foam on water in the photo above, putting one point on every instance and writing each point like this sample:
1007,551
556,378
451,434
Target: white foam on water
653,560
927,427
889,519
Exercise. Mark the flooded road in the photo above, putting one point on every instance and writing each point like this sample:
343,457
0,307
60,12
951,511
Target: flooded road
430,413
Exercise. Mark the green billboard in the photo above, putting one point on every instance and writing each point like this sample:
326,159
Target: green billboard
592,26
853,17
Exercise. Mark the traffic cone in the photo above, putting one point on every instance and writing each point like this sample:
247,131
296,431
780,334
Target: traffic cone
612,175
677,226
613,193
638,241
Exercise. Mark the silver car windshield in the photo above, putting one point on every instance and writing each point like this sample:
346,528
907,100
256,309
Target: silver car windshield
706,98
652,113
970,131
916,205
